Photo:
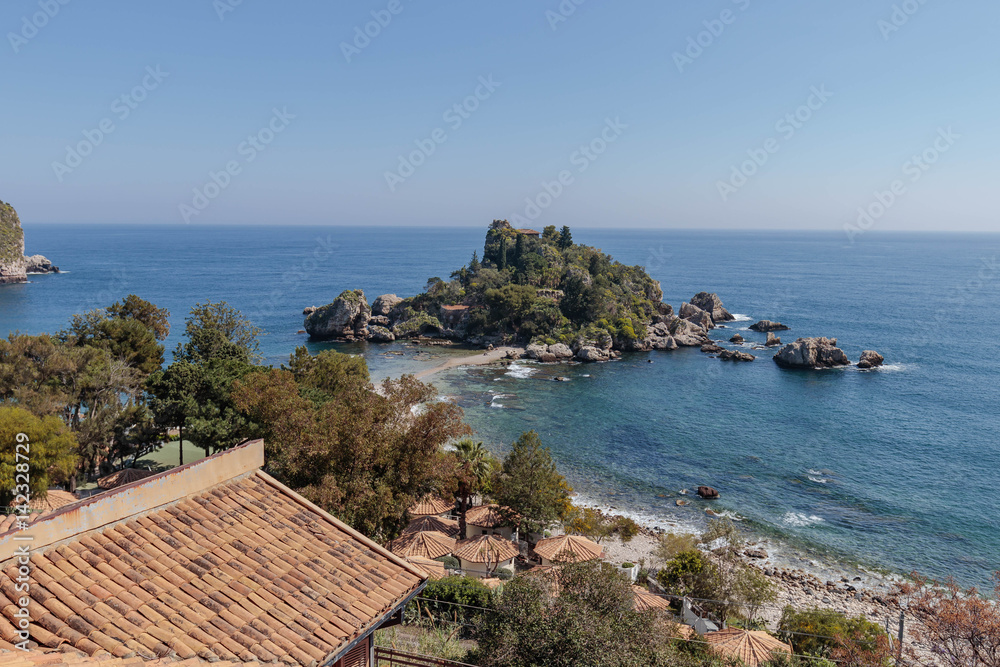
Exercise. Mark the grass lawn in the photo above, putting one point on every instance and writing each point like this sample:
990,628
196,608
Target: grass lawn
167,456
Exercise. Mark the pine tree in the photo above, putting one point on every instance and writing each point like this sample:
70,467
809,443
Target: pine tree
474,264
565,238
502,259
519,252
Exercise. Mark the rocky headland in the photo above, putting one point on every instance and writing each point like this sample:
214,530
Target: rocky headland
14,265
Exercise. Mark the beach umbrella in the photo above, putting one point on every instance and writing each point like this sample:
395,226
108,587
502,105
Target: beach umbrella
753,647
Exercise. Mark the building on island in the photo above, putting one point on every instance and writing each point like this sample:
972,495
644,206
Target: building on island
213,561
528,232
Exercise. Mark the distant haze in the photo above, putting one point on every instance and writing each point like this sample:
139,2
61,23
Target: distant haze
728,114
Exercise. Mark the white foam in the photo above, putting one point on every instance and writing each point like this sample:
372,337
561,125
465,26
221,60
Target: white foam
800,520
818,480
739,317
520,371
493,402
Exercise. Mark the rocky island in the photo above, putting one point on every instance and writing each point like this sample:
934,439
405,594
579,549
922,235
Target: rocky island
14,265
561,299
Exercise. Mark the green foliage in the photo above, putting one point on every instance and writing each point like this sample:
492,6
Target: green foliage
591,622
670,544
816,631
549,234
455,599
11,235
49,458
529,489
217,330
565,239
420,323
626,528
323,376
690,573
450,562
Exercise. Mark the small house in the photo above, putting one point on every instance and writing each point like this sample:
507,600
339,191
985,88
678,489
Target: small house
486,520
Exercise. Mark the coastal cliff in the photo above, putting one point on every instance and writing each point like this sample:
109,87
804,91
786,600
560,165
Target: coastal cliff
14,265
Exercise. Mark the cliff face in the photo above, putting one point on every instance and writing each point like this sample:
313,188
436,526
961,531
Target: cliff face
12,265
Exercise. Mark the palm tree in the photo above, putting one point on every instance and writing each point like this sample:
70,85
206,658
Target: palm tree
480,465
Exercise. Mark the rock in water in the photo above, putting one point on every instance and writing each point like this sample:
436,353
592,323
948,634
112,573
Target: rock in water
380,334
870,359
708,493
768,325
736,355
712,304
696,315
346,318
736,339
590,353
772,340
811,353
384,304
39,264
12,264
711,348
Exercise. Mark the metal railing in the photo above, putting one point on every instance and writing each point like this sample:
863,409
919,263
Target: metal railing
389,657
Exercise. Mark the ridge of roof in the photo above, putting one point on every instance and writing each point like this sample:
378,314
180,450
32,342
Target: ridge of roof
139,497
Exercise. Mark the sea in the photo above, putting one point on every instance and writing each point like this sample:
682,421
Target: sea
896,468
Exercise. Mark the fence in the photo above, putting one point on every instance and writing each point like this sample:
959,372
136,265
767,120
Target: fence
387,657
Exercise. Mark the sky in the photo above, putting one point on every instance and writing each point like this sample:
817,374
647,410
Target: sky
731,114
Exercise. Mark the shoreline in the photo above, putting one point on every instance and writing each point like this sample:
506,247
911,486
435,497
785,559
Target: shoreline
484,359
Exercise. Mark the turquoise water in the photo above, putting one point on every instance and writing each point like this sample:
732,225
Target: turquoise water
897,467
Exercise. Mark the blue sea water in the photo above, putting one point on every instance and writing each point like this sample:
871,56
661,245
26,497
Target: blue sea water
897,467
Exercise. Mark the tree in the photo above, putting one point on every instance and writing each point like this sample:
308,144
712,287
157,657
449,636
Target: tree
323,376
211,326
565,238
519,252
825,632
590,622
502,254
958,626
48,455
361,454
474,265
530,491
549,234
132,307
476,468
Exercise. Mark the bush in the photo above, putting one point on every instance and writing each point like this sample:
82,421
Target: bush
505,574
444,600
691,573
816,631
449,562
628,566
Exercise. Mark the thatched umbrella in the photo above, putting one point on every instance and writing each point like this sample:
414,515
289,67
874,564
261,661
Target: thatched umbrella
568,549
447,526
123,477
753,647
428,544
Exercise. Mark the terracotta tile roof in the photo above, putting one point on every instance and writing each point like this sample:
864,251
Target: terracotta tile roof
569,549
753,647
123,477
486,549
430,506
447,526
484,516
214,560
424,544
432,568
53,500
454,309
36,658
646,601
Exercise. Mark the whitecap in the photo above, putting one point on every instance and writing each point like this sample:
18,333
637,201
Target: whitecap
800,520
818,480
493,401
519,371
739,317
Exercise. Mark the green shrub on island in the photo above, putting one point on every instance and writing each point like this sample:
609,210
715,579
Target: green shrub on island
819,632
545,289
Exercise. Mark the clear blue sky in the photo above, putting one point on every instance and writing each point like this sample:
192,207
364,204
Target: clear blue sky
686,126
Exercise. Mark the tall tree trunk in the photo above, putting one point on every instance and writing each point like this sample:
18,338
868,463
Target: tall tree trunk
462,508
180,442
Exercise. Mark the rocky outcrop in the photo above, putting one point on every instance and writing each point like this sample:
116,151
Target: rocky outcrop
870,359
384,304
309,310
591,353
697,316
36,264
344,319
12,264
767,325
811,353
687,334
736,355
712,304
548,353
736,339
379,334
772,340
711,348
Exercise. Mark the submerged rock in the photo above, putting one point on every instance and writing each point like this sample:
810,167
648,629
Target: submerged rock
345,318
712,304
870,359
767,325
811,353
